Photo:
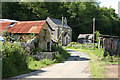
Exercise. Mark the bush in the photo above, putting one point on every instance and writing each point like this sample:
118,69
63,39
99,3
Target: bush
14,60
97,34
63,54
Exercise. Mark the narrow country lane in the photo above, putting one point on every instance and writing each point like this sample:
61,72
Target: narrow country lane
75,67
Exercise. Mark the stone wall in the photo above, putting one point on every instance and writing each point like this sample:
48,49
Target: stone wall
45,55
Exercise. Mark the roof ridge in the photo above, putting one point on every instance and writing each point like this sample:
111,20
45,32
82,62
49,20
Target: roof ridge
58,21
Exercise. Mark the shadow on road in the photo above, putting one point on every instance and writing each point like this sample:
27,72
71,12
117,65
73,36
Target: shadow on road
77,58
35,73
72,51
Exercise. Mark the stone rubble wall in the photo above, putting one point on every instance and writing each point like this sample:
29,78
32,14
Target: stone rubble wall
45,55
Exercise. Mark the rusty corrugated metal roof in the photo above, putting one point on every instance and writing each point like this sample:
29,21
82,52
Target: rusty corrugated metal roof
27,27
4,25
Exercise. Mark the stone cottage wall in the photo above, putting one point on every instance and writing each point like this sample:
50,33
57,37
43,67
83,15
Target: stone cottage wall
43,43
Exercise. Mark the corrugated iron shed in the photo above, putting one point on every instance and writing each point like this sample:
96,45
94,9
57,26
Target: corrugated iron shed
27,27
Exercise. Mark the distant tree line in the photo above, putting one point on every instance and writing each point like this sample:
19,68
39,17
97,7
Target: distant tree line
79,15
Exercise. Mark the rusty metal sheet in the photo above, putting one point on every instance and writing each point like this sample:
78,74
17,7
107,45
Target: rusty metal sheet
15,28
33,29
4,25
27,27
22,27
38,29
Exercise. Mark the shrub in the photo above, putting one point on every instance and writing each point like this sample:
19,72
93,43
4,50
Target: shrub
63,54
97,34
14,60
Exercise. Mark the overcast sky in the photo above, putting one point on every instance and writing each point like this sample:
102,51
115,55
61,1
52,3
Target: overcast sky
108,3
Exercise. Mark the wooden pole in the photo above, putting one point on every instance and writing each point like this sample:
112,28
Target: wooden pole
62,30
93,33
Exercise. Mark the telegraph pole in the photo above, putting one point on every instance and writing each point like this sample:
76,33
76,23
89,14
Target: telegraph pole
93,33
62,30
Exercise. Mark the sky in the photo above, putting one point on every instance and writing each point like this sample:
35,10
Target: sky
108,3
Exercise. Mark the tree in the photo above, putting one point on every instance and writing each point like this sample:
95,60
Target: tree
79,15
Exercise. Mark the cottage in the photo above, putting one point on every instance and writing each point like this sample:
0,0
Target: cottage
35,34
66,32
110,44
85,38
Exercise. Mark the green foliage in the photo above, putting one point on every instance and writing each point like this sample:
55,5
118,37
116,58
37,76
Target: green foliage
79,15
17,11
14,60
35,65
97,34
33,50
63,54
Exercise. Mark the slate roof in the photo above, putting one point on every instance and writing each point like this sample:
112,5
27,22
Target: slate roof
26,27
56,22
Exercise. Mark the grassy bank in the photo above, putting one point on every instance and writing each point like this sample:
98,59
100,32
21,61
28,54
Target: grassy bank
97,61
16,60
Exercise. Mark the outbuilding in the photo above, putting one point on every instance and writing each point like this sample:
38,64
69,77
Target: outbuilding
110,44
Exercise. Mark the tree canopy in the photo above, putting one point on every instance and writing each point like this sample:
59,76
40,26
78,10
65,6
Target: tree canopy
79,15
